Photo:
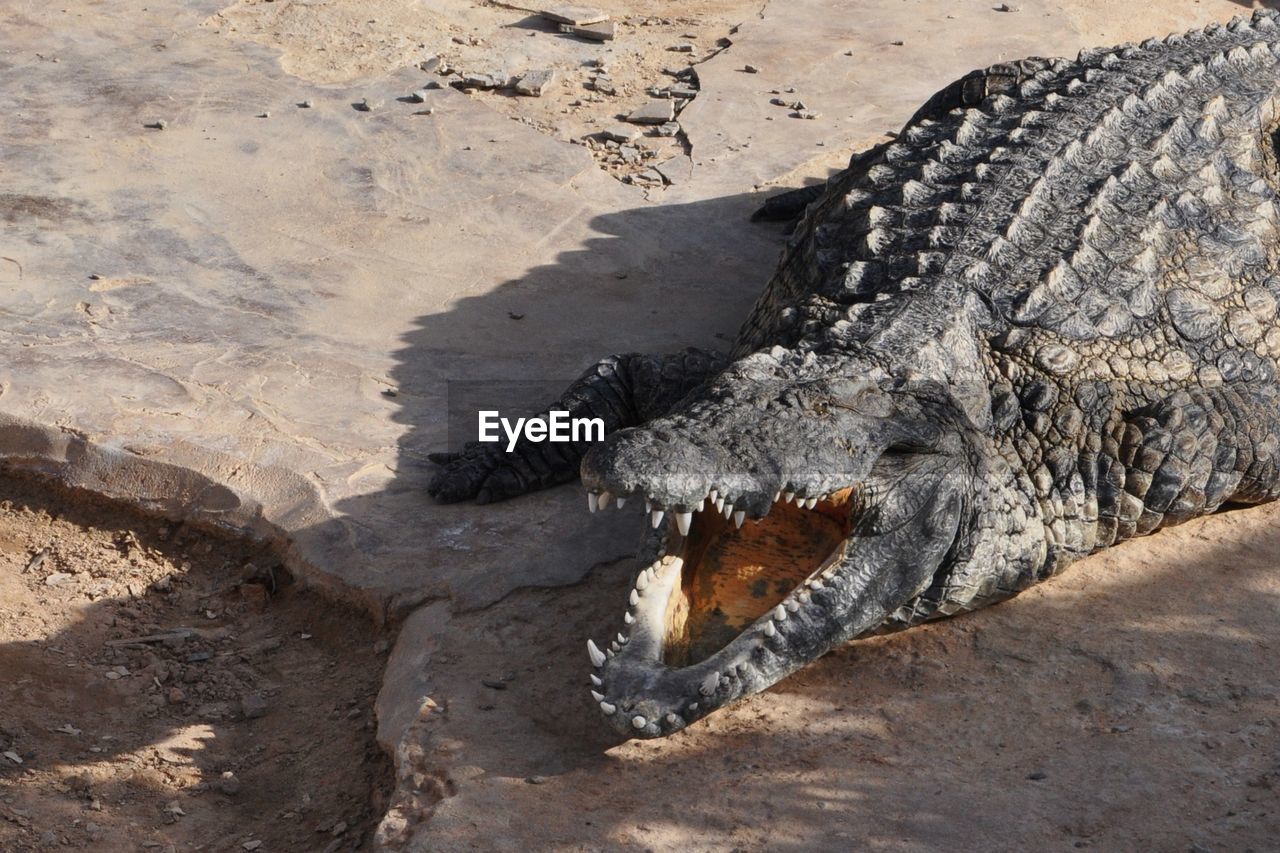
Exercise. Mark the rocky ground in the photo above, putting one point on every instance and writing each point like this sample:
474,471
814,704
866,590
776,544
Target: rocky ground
165,689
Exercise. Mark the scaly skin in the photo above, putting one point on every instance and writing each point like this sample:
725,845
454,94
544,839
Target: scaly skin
1041,321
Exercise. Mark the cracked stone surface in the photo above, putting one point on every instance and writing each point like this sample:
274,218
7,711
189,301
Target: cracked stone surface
253,321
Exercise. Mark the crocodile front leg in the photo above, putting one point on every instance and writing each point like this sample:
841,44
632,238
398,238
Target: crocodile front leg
622,390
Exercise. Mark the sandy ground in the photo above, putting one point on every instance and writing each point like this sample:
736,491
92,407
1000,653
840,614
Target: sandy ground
243,722
249,319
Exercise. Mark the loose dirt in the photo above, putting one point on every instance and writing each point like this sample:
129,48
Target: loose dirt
167,689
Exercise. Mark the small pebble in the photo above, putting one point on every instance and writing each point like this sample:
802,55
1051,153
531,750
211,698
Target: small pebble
229,784
1037,776
683,47
751,69
264,115
159,124
253,705
305,105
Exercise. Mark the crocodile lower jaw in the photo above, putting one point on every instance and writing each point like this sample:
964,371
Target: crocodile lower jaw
720,589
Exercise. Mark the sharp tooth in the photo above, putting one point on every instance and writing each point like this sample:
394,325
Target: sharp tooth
655,517
693,707
596,680
621,639
673,720
713,495
638,722
614,647
642,581
739,517
788,497
779,613
709,684
810,503
728,510
599,697
607,708
804,596
605,497
683,520
702,504
597,656
635,598
769,630
816,583
628,618
593,501
648,505
621,502
777,496
609,652
719,502
792,604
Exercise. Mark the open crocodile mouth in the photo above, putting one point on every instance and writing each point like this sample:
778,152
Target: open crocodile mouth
720,588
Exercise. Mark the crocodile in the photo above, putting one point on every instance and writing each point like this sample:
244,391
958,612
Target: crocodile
1039,321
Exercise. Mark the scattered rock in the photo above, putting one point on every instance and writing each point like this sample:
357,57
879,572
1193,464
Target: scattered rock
898,43
176,696
264,115
364,105
605,31
654,112
305,105
683,47
493,683
534,83
1037,776
491,80
339,828
806,114
428,111
579,16
618,133
751,69
229,784
779,102
535,780
603,85
418,96
682,91
670,128
13,756
59,579
251,845
1005,7
253,705
158,124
